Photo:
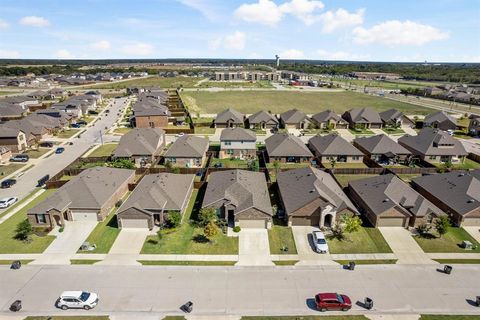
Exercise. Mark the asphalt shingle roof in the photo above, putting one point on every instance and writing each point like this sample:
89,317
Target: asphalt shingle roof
333,144
229,114
381,144
140,142
293,116
286,145
188,146
237,134
429,141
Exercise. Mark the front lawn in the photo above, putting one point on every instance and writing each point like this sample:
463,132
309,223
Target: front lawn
281,237
343,179
67,133
104,150
361,132
468,164
448,317
185,263
188,239
7,231
104,234
34,154
121,130
393,131
230,163
346,317
449,242
377,261
365,240
10,168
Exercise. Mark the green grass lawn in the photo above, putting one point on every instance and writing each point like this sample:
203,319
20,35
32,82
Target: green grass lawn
281,101
83,261
8,262
181,240
37,153
393,131
408,177
328,165
361,132
204,130
458,261
103,150
448,317
289,165
186,263
104,234
468,164
285,262
230,163
164,83
279,237
235,84
449,242
174,318
366,240
7,231
10,168
378,261
122,130
343,179
67,133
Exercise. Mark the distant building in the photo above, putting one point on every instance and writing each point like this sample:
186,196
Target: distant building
376,75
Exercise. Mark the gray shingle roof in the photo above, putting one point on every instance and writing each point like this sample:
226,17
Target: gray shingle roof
89,190
439,117
237,134
262,116
229,114
140,142
390,115
293,116
384,192
428,140
333,144
458,190
327,115
363,115
188,146
150,107
7,132
240,188
162,191
286,145
299,187
381,144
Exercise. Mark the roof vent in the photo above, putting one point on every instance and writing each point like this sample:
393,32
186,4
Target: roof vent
470,201
461,174
386,200
312,191
309,174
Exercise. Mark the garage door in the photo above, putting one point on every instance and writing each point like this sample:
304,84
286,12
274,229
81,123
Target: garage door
306,221
134,223
84,216
252,224
473,222
391,222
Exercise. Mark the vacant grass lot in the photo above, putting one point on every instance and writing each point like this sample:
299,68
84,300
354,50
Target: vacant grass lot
449,242
9,169
365,240
280,101
103,150
279,237
7,231
164,83
181,240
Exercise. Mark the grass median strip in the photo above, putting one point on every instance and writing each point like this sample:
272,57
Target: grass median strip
376,261
285,262
83,261
458,261
8,262
67,318
185,263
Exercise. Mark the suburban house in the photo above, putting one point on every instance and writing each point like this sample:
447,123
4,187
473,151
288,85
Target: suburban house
286,147
240,197
150,113
154,198
187,151
334,147
440,120
142,145
392,118
238,143
474,125
5,154
364,118
329,120
294,119
262,120
57,93
383,150
13,139
457,193
434,145
311,197
229,118
387,201
11,111
89,196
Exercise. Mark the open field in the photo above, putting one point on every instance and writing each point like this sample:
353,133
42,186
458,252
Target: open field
385,84
164,83
280,101
236,84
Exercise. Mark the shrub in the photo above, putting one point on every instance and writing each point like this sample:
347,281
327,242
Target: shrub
423,228
207,215
442,224
173,219
61,229
118,203
210,230
24,231
236,229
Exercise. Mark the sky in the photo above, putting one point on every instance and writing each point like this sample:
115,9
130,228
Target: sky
357,30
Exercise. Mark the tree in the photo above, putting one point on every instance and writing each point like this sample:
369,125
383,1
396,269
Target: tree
333,162
168,166
253,165
276,166
207,215
338,232
423,228
441,225
173,219
210,230
351,222
24,231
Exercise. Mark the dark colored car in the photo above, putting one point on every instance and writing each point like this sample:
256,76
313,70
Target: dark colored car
43,180
46,144
75,125
82,122
7,183
59,150
20,158
332,301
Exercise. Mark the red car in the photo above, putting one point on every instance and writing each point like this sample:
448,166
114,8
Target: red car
332,301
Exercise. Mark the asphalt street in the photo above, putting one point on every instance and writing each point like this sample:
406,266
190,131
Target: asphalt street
150,290
56,162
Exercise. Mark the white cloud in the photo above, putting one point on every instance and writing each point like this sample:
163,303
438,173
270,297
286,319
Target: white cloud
3,24
34,21
302,9
292,54
333,20
9,54
63,54
264,12
394,32
234,41
202,6
100,45
340,55
138,49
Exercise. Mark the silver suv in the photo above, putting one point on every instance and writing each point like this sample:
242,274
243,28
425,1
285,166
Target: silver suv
78,300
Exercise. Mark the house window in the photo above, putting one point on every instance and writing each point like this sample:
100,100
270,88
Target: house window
41,219
172,160
228,143
151,124
229,151
355,157
432,157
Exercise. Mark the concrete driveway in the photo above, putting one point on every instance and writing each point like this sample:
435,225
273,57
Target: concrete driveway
305,248
67,242
346,134
474,232
378,131
404,246
127,247
254,248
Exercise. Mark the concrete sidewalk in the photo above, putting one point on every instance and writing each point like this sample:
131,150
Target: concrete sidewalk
404,246
126,247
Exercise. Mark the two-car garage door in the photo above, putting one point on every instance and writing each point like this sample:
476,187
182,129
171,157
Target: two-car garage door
84,216
134,223
252,224
391,222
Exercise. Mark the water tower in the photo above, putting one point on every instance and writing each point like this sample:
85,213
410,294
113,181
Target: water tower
277,60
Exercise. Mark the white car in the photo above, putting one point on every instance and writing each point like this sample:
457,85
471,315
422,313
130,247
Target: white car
78,300
181,134
7,202
320,242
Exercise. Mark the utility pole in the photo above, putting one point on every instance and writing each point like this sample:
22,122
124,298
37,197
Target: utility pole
101,137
